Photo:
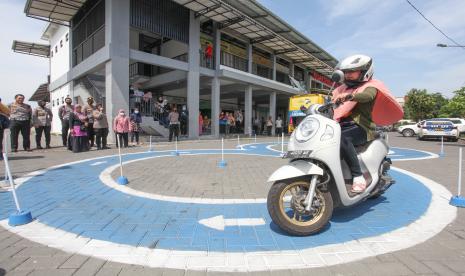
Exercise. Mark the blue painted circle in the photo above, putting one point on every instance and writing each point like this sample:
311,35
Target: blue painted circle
73,199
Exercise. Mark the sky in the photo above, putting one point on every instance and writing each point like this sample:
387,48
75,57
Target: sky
401,42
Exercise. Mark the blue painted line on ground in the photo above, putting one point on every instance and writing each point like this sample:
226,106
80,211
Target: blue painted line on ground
73,199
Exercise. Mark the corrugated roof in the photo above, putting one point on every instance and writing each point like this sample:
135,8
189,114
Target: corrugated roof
30,48
58,11
41,94
258,24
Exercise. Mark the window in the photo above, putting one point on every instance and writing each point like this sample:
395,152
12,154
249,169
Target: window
62,100
56,49
58,102
53,103
51,53
67,37
61,43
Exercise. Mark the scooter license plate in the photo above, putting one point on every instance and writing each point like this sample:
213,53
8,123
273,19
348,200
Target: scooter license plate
297,154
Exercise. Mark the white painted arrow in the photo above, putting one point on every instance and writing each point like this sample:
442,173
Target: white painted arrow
98,163
219,222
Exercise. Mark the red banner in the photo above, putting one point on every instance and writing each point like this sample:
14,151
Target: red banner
321,78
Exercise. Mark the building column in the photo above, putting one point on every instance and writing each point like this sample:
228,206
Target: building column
216,84
193,76
291,69
117,68
273,110
250,58
307,80
248,110
274,66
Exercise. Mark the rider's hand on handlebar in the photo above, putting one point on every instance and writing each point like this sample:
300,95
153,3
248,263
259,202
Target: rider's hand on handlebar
339,99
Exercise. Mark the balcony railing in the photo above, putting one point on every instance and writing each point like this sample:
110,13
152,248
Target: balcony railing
233,61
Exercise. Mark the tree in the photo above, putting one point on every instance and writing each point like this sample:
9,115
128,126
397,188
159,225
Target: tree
456,106
420,104
439,102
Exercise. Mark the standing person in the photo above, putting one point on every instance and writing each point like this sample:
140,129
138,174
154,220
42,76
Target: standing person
222,123
78,122
42,119
4,124
232,123
262,125
256,126
173,118
206,124
121,128
183,118
63,114
20,121
227,128
279,126
269,125
200,123
134,129
135,121
100,127
208,53
89,111
239,121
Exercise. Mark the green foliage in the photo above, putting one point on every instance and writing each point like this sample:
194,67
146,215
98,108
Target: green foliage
456,106
420,104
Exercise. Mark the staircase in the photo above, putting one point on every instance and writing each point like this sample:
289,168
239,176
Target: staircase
152,127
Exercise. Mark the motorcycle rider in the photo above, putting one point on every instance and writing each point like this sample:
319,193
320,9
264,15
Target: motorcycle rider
357,126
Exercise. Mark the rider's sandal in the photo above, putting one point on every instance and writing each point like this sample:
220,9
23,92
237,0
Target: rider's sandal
358,188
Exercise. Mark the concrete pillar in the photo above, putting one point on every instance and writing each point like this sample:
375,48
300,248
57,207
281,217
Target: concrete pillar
248,110
307,80
273,109
117,68
274,66
216,84
193,76
250,58
291,69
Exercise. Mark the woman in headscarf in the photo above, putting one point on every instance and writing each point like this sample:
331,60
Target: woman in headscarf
121,128
78,122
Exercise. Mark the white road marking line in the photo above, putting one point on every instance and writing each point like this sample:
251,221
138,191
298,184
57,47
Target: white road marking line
98,163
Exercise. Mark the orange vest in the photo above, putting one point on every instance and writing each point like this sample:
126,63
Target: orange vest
386,110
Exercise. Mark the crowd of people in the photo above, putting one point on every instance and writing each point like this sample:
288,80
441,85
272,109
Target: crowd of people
83,127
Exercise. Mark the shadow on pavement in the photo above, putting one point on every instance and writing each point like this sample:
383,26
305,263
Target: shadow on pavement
25,157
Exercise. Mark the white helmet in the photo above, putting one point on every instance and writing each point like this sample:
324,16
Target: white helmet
357,62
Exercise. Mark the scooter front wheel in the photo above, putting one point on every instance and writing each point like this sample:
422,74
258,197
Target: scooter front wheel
285,206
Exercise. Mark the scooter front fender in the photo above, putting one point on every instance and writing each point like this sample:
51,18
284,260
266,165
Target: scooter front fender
295,169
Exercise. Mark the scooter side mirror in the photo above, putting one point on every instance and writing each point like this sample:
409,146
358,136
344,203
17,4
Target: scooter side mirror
337,76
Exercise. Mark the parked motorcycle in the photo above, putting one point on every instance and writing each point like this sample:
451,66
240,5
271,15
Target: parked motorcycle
316,180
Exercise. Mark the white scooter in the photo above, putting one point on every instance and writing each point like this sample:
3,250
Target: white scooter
316,180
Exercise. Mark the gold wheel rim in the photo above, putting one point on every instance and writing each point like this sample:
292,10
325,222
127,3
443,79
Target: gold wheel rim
297,218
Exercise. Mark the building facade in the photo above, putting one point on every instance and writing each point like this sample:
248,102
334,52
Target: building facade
126,54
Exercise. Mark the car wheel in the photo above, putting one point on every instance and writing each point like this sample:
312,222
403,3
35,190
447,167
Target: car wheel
408,132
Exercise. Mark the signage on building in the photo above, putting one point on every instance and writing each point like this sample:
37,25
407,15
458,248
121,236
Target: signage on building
321,78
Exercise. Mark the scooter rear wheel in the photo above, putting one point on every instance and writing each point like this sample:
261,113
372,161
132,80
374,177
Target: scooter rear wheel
285,207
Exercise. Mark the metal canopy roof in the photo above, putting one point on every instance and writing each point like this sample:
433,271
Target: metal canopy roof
41,94
29,48
255,22
57,11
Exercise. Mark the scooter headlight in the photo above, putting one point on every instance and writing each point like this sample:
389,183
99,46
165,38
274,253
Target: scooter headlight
307,129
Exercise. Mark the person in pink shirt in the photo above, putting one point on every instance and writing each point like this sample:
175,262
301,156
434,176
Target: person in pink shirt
121,128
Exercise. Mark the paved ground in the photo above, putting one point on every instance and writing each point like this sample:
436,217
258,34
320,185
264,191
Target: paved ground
442,255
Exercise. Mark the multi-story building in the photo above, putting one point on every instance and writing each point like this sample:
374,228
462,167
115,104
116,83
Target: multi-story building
127,53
